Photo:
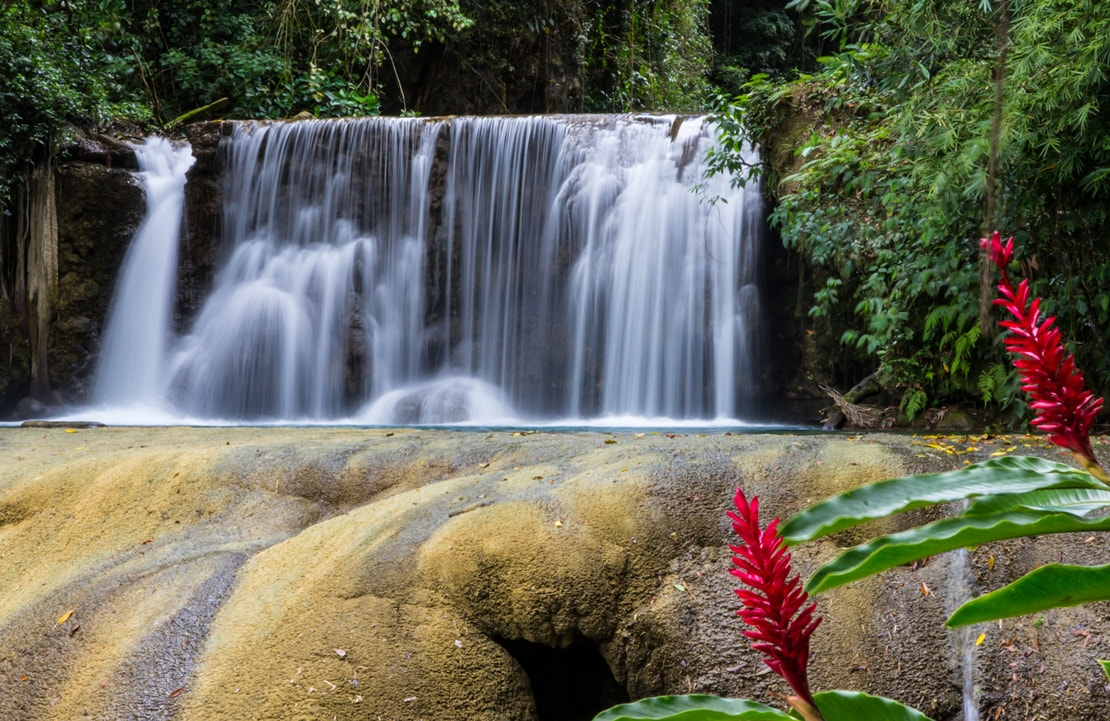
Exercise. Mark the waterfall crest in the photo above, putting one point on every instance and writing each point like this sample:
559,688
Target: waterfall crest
474,270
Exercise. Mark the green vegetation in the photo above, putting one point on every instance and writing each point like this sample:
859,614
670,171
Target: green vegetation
160,62
937,122
51,75
649,55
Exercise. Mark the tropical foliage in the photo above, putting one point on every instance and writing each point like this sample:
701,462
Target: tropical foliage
1002,498
929,115
167,61
774,607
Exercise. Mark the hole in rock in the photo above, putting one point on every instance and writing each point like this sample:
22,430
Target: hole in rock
568,684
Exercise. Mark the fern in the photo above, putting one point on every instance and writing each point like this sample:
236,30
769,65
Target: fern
964,344
913,401
991,381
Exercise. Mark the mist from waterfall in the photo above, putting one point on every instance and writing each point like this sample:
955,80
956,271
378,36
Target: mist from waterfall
556,269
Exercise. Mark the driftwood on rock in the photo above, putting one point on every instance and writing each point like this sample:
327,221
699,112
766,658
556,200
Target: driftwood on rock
858,415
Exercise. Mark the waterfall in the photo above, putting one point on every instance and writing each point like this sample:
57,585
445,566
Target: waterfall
131,368
473,270
320,303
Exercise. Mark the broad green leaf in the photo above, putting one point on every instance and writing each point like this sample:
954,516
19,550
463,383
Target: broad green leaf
693,708
1052,586
1009,474
855,706
1077,501
947,534
1105,667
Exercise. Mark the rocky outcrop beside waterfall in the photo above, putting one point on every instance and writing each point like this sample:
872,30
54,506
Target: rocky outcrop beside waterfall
201,232
99,208
231,573
61,255
61,248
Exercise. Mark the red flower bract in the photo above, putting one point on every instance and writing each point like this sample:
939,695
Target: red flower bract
1000,254
773,600
1065,409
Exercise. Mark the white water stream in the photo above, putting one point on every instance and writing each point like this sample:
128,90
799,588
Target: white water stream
961,590
131,369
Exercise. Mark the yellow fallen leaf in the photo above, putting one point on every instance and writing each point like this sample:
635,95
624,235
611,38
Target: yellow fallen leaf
558,524
63,618
71,430
982,637
990,563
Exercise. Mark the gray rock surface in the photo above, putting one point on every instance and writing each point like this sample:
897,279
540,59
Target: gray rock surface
276,573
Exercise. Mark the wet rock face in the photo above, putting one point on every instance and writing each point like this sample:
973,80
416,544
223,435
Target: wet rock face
15,359
203,212
99,209
100,203
61,254
203,574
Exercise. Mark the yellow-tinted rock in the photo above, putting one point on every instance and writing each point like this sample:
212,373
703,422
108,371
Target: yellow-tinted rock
245,573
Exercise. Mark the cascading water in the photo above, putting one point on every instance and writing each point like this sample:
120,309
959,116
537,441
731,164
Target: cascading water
319,306
132,365
486,270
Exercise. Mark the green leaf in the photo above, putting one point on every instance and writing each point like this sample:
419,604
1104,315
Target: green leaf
1009,474
693,708
1105,667
1052,586
1076,501
886,552
855,706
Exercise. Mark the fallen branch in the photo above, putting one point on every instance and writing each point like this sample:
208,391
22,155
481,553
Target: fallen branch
858,415
211,107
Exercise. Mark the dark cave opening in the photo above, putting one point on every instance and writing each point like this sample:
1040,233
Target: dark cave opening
568,684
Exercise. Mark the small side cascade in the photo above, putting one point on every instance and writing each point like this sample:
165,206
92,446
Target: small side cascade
964,638
131,367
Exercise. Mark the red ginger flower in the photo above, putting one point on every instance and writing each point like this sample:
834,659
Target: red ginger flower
999,254
1065,409
773,606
